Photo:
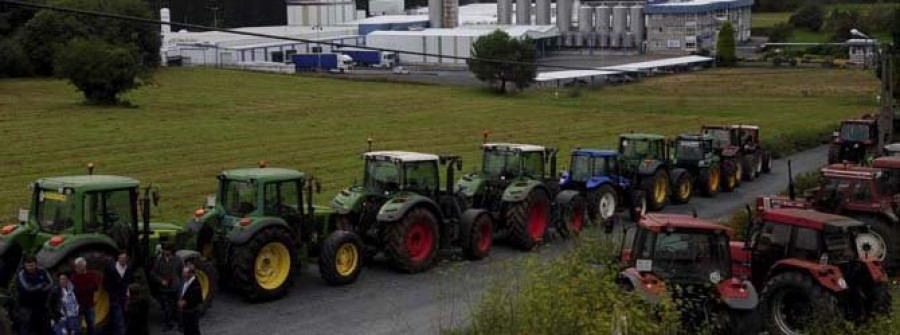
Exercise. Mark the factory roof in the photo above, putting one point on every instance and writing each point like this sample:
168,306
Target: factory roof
571,74
653,64
386,19
692,6
470,31
222,39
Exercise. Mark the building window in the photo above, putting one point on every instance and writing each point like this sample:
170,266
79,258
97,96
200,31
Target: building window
276,56
289,55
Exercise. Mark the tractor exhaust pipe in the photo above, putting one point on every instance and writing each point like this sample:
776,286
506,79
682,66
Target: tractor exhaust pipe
369,144
791,191
749,227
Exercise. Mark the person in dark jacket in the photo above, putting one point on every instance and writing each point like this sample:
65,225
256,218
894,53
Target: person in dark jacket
189,299
34,285
138,307
166,273
87,282
118,276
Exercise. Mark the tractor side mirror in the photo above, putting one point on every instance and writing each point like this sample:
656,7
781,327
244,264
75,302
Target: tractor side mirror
459,165
835,134
318,186
211,201
23,215
155,197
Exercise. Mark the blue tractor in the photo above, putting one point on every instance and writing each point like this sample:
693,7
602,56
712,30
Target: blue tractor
596,173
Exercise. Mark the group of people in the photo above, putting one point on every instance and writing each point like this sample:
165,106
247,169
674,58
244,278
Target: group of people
65,305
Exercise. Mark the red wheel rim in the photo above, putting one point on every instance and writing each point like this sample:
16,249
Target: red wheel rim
577,219
537,221
484,241
419,241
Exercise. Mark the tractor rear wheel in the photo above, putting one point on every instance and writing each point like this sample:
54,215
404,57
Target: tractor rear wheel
263,266
208,277
792,302
341,259
527,220
603,203
881,241
746,322
656,188
748,167
413,241
730,176
638,206
97,261
710,180
572,217
684,189
478,237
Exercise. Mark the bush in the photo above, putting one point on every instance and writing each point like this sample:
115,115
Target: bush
100,70
793,61
811,16
781,32
828,62
13,59
777,60
725,47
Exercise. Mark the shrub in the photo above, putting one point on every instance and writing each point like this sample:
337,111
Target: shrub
777,60
811,16
793,61
98,69
725,48
828,62
13,59
781,32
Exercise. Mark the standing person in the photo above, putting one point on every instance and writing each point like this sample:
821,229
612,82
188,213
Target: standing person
189,301
86,282
118,277
33,284
64,304
165,273
138,307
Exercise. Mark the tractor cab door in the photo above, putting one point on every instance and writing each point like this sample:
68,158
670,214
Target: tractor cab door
532,164
421,178
834,195
111,212
284,199
770,244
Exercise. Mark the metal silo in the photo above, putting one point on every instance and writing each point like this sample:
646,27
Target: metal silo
564,15
637,24
619,22
523,12
504,11
542,12
585,19
435,13
603,39
603,13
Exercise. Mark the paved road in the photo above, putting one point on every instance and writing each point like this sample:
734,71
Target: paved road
385,302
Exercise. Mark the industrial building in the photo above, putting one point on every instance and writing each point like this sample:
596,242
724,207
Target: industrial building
688,26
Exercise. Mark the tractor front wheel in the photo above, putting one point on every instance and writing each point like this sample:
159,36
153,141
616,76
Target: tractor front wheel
264,265
603,203
413,242
879,242
657,189
684,189
478,237
572,216
877,299
709,181
638,206
792,302
527,220
340,261
208,278
730,176
748,167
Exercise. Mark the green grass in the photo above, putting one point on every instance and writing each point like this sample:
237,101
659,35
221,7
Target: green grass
769,19
192,123
804,35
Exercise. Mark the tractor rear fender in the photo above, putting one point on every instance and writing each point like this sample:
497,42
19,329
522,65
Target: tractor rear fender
829,276
676,175
519,190
49,256
243,233
598,181
640,282
396,208
470,185
649,167
348,201
738,294
565,197
16,237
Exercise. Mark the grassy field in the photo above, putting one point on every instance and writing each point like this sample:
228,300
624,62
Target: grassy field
192,123
769,19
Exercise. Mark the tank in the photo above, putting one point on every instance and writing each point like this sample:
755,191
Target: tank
165,16
564,15
585,19
504,11
450,14
619,19
523,12
603,18
435,13
628,40
603,39
637,24
542,12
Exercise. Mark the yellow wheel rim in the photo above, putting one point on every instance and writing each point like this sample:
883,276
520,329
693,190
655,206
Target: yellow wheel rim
684,190
714,179
101,307
203,278
273,264
660,192
347,259
739,173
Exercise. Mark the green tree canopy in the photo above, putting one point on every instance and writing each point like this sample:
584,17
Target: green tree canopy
98,69
781,32
499,46
810,16
725,45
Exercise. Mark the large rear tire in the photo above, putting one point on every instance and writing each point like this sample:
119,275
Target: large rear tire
684,189
528,220
710,180
478,237
730,176
264,265
341,259
792,302
883,233
572,217
748,167
638,206
208,278
413,241
656,188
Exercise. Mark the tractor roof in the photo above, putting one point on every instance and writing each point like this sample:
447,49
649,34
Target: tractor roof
695,137
717,126
88,182
892,147
860,121
512,147
659,222
264,173
849,171
594,152
745,126
887,162
642,136
810,219
402,156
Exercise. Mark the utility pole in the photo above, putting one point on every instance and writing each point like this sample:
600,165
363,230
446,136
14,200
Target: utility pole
886,117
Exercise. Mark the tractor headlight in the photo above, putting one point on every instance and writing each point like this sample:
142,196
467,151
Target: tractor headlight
842,283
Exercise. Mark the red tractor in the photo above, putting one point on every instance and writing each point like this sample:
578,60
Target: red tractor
690,260
855,142
813,267
741,152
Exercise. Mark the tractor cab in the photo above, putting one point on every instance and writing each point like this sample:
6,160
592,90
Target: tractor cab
587,164
725,139
747,136
391,172
856,142
693,150
508,161
635,149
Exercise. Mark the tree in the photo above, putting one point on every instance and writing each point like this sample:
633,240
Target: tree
99,69
810,16
46,34
725,48
13,59
840,22
492,50
781,32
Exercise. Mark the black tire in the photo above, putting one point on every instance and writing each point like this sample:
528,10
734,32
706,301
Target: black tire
878,300
649,184
524,220
477,237
710,180
730,178
245,257
889,234
572,217
683,189
341,258
97,261
6,324
209,281
767,162
417,229
602,204
637,207
744,322
748,167
811,303
833,154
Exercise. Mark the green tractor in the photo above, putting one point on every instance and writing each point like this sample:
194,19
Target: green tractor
522,196
645,159
696,155
93,216
258,229
401,210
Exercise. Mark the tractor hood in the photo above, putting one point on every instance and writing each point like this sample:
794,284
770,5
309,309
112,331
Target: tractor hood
470,185
347,201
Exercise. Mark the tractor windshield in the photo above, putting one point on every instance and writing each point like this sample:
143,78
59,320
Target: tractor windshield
635,149
240,197
585,167
500,163
691,256
689,150
109,211
55,211
721,137
382,176
840,247
856,132
421,177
